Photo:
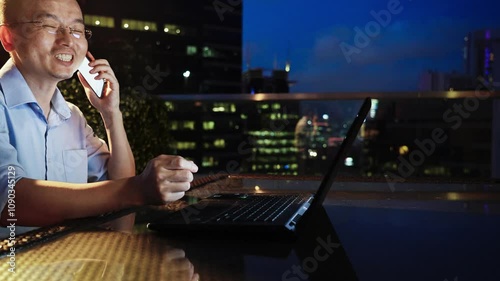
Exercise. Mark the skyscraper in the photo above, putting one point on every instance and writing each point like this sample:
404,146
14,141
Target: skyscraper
168,46
480,48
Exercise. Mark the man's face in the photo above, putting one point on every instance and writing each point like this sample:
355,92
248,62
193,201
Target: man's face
41,55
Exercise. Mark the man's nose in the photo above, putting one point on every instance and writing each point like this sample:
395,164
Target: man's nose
64,34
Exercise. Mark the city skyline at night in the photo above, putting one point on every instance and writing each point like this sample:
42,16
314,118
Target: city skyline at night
361,45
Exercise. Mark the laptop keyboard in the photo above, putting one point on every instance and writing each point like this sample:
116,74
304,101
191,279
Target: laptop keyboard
260,208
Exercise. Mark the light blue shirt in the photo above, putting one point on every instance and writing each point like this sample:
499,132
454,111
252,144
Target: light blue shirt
61,148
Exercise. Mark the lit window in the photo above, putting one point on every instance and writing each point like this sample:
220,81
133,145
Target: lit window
208,52
403,150
349,162
172,29
174,125
191,50
220,143
209,161
208,125
170,105
224,107
186,145
264,106
139,25
101,21
188,125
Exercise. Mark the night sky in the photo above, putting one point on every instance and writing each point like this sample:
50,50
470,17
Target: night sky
420,35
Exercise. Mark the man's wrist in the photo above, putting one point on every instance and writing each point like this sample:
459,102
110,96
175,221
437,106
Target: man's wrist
111,118
135,196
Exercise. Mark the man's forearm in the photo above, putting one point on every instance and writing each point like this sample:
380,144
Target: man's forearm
121,163
40,203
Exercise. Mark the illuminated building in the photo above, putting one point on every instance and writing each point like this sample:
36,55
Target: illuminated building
480,48
235,136
167,46
257,80
248,136
442,81
210,133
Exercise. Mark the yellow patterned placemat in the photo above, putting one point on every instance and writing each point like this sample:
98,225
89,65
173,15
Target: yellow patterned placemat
99,255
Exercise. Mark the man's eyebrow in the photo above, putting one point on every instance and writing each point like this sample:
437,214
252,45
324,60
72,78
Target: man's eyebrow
56,18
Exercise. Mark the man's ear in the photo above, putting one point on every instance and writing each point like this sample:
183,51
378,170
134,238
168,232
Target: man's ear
6,37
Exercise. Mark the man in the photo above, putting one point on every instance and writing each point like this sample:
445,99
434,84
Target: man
52,166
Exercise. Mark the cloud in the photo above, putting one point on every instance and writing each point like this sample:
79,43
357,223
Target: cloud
399,40
351,79
391,60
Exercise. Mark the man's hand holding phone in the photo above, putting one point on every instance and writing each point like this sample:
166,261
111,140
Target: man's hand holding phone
97,85
100,84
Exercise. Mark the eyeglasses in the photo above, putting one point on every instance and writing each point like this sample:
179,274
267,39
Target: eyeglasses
54,28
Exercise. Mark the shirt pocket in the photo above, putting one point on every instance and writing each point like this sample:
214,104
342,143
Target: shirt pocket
75,165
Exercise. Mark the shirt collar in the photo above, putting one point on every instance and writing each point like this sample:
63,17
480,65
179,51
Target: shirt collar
59,105
17,91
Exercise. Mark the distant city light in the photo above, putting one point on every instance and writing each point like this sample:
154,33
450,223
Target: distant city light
453,196
166,29
177,31
186,74
146,27
325,117
313,153
97,22
403,150
125,25
349,162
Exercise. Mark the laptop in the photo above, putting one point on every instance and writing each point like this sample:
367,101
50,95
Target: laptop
276,215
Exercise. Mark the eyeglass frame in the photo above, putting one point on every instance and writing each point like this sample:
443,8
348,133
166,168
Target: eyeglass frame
87,33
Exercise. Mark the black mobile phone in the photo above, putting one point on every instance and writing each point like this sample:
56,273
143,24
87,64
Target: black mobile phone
96,85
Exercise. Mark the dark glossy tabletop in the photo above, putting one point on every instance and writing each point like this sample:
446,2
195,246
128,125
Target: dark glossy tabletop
365,231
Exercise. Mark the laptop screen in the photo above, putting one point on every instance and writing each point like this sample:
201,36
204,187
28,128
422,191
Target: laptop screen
339,157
